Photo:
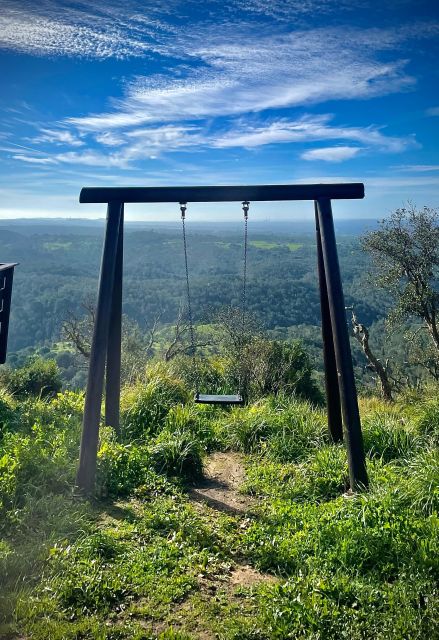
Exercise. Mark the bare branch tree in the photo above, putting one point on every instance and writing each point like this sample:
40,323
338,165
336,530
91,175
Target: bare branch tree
361,333
180,342
79,330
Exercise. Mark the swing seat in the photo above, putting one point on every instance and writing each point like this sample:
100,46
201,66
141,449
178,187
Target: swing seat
203,398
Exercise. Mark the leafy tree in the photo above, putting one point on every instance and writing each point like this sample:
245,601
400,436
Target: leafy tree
263,366
283,367
38,377
421,352
405,255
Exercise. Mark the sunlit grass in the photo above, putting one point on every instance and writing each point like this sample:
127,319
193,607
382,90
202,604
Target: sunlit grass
142,561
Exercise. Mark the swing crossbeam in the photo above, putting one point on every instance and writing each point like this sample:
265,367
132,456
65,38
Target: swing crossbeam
231,193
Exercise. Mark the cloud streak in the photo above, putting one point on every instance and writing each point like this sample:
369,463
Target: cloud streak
310,128
259,74
331,154
127,147
95,30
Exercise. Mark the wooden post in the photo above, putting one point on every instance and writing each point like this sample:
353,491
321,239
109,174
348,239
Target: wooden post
335,424
6,279
112,391
348,394
85,478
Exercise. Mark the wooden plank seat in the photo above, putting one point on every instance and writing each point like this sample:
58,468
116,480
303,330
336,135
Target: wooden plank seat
203,398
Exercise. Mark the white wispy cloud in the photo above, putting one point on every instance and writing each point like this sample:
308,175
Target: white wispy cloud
371,181
226,73
417,168
132,28
285,10
92,30
58,137
131,145
258,74
109,139
433,111
33,159
310,128
331,154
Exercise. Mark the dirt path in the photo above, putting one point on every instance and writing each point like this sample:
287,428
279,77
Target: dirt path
232,583
224,475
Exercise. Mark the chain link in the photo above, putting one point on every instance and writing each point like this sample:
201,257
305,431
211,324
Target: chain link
189,303
245,208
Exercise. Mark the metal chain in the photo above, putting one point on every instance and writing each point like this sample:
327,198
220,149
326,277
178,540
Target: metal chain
188,291
245,208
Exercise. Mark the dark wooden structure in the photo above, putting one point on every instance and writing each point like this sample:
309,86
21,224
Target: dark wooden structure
341,393
6,278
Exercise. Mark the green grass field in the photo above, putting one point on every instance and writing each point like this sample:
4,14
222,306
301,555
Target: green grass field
264,244
57,246
293,557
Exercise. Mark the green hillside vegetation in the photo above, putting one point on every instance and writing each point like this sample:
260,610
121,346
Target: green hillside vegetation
59,270
59,267
145,560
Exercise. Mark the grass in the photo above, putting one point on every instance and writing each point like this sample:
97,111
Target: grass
264,244
56,246
143,561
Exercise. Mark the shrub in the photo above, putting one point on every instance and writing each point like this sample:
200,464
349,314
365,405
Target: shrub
334,606
387,436
33,465
365,535
196,421
283,367
247,429
40,457
79,572
421,488
295,436
121,467
322,477
427,422
144,407
37,378
177,453
209,375
284,428
8,415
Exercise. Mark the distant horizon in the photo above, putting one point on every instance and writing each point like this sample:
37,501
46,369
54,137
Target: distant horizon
264,227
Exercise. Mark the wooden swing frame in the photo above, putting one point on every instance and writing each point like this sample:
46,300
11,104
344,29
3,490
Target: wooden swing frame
6,279
105,355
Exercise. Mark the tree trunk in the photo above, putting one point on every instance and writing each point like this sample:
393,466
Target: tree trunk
432,327
362,335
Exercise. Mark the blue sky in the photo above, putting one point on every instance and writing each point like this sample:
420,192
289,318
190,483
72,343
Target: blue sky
169,92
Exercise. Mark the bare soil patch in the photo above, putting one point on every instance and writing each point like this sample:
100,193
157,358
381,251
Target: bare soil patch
247,576
224,475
